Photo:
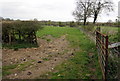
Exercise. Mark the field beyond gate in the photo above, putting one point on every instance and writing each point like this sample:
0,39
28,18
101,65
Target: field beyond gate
81,63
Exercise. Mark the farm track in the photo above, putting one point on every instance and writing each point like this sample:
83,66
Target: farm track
41,60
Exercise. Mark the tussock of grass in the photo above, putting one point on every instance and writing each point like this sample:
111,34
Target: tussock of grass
20,67
46,59
6,69
23,66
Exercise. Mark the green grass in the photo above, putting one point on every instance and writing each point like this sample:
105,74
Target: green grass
20,67
48,40
23,66
17,46
54,31
112,32
79,66
6,69
106,29
46,59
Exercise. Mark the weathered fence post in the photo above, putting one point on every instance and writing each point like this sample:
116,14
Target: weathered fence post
106,57
98,29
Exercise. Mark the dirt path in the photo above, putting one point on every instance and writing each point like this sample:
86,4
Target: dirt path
39,60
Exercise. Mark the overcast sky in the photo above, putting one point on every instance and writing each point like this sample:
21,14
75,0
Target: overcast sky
55,10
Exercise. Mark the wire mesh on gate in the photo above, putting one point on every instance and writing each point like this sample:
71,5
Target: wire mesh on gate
113,63
102,46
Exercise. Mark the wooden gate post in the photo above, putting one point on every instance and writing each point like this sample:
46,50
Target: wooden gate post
98,29
106,58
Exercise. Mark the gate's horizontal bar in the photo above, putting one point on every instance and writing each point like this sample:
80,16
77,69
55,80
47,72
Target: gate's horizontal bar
114,45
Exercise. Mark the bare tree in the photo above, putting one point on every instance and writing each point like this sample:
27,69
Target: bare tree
83,10
99,6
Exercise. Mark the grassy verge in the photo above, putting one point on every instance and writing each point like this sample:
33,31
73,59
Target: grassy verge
84,64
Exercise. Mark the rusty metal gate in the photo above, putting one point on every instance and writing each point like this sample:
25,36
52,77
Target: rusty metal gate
102,47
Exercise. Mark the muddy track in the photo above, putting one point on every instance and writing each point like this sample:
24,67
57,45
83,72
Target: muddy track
42,59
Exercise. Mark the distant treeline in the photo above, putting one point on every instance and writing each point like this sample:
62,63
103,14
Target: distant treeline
109,24
76,24
70,23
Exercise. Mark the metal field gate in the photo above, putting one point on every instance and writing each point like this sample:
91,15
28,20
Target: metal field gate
102,47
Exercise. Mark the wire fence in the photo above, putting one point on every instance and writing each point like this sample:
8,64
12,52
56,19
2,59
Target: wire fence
109,56
113,63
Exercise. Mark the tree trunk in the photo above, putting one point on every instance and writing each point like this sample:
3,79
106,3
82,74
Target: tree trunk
84,21
95,18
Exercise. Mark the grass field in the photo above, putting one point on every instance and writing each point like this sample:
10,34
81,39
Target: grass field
107,29
84,64
112,32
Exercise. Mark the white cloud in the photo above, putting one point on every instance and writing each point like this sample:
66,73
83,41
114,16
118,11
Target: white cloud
57,10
